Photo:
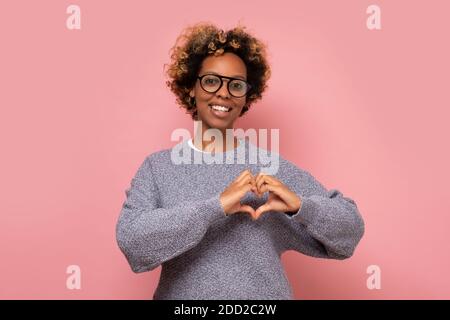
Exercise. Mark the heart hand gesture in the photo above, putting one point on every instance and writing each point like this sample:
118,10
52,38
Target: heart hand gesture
281,198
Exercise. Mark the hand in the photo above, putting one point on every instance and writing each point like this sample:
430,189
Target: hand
281,198
231,197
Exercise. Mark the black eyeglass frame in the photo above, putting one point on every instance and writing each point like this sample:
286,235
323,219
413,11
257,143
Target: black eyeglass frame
228,84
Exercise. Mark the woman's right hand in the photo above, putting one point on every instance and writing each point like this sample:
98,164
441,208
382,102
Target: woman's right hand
231,197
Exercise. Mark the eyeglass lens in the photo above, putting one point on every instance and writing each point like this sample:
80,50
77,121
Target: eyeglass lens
212,83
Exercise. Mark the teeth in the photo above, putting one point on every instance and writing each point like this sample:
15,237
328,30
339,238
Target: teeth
220,108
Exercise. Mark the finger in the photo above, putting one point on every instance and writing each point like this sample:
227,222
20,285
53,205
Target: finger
263,188
248,209
264,208
257,177
278,190
236,194
246,180
256,191
260,180
253,183
242,174
269,179
256,180
275,189
242,190
273,180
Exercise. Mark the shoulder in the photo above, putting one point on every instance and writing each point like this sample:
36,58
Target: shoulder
291,171
299,178
153,160
163,156
158,156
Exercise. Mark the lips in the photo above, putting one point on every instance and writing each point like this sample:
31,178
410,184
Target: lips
220,107
219,111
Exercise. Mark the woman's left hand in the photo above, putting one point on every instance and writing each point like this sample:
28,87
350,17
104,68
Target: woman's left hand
281,198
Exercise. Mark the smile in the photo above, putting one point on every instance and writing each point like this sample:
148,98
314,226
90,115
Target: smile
220,108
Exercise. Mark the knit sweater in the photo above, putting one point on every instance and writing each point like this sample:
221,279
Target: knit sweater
172,217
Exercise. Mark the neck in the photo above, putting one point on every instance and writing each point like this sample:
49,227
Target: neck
204,141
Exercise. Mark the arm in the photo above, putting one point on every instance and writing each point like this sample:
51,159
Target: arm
149,235
327,224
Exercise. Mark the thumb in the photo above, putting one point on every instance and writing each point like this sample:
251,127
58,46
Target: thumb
263,208
247,208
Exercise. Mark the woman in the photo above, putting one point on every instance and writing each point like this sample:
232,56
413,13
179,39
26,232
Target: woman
219,230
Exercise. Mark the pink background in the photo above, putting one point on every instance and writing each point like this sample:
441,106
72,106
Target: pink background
364,111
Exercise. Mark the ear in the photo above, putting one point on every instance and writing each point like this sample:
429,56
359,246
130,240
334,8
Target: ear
191,93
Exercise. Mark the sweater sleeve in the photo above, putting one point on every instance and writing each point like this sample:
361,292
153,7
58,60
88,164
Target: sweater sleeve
328,224
148,234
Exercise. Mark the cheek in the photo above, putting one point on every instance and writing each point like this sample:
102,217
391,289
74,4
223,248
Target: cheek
202,96
241,102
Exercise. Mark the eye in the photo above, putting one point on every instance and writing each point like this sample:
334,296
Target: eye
210,81
237,85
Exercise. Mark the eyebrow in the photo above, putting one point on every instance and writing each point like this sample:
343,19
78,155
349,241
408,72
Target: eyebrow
235,76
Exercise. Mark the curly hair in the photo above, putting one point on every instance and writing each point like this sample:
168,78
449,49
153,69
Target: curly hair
201,40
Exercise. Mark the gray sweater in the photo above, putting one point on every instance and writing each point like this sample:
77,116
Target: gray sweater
172,216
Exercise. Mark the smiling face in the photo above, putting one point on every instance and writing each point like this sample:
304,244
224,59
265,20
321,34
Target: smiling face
228,65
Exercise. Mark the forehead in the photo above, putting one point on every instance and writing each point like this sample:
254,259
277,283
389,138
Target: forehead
227,64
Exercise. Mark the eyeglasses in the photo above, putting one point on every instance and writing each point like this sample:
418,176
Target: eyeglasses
212,83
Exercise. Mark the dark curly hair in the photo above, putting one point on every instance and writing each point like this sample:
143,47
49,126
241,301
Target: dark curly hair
197,42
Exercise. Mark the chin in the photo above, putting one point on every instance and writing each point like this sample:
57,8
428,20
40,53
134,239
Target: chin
217,123
212,121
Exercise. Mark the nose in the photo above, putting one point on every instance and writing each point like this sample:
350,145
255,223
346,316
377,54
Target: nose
223,90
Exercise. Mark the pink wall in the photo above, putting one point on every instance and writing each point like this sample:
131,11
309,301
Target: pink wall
365,111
